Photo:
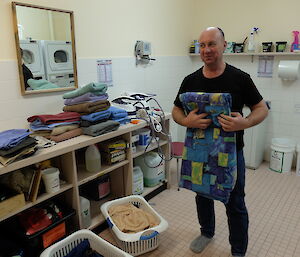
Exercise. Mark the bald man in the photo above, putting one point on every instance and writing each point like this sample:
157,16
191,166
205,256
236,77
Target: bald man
216,76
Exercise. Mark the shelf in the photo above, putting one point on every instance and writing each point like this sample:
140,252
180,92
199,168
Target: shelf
151,147
41,198
258,54
85,176
96,215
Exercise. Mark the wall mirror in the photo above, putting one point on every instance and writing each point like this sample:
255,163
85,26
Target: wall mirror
45,43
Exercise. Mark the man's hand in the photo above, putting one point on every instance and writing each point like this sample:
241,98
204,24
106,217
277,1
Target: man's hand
194,120
234,122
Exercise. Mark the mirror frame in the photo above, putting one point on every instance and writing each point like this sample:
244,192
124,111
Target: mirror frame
17,41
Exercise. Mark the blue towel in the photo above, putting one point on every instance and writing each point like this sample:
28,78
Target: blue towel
37,125
97,116
117,113
83,249
123,121
12,137
209,156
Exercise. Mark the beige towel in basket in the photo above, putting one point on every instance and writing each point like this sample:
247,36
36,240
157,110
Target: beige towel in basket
130,219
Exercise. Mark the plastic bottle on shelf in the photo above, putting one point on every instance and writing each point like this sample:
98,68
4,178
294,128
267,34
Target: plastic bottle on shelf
85,207
251,42
138,181
92,159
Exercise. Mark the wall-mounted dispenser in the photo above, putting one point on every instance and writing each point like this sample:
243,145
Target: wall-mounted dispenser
289,70
142,51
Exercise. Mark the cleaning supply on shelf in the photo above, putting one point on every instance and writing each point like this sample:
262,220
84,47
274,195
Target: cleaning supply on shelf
251,42
295,45
85,207
267,46
92,159
153,168
280,46
137,183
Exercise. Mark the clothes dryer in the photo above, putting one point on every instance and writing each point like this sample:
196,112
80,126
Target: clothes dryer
33,57
58,58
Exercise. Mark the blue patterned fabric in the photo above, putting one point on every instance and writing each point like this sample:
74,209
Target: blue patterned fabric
209,156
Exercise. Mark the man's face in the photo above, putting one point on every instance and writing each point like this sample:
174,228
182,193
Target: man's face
212,46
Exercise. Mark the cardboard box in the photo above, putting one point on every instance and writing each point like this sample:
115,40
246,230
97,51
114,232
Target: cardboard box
12,204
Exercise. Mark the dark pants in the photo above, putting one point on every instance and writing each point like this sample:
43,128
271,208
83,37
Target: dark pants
235,209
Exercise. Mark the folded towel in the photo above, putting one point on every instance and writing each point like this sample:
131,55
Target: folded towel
55,118
117,113
37,125
124,120
96,88
67,135
12,137
88,107
40,84
62,129
97,116
25,143
101,128
86,123
26,152
88,97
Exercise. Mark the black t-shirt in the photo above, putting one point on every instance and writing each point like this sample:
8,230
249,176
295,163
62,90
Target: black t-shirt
233,81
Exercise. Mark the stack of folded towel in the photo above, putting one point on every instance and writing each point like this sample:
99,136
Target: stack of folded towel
90,101
16,144
56,127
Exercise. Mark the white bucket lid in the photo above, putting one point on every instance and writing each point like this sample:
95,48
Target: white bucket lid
283,142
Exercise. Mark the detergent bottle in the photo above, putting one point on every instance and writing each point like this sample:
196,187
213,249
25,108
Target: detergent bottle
251,42
295,44
92,159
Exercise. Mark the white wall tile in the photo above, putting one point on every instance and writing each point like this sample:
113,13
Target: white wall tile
163,77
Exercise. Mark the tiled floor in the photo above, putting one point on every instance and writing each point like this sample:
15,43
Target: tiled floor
273,202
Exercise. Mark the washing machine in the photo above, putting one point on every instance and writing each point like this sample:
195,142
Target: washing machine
33,57
58,59
254,139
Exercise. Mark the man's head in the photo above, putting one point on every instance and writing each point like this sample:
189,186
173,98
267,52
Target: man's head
212,45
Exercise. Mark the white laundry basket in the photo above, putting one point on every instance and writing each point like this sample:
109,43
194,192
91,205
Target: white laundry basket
135,243
63,247
282,151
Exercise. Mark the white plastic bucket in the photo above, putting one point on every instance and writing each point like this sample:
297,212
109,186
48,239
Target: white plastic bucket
144,138
282,151
51,179
153,168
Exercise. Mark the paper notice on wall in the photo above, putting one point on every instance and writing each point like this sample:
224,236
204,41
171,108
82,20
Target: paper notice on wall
104,72
265,66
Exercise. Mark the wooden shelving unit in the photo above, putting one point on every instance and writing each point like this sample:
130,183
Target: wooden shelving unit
68,156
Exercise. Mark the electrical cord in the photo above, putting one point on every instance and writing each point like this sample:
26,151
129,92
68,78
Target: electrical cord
155,127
